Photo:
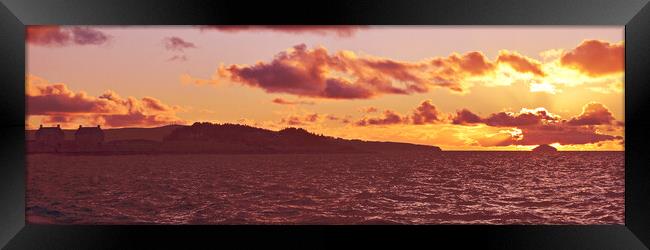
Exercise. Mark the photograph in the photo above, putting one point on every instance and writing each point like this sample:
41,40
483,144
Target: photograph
324,125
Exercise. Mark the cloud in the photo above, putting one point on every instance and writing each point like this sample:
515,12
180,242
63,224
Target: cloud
57,98
596,58
58,36
318,73
562,135
536,135
426,113
344,120
539,126
156,105
288,102
344,75
474,63
522,118
389,118
466,117
47,35
297,120
310,118
178,45
593,114
526,127
340,30
548,134
55,102
174,43
520,63
503,138
88,36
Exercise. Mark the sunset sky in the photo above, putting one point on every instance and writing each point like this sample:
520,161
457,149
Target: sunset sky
460,88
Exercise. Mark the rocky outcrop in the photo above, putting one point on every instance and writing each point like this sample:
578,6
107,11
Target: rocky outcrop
544,148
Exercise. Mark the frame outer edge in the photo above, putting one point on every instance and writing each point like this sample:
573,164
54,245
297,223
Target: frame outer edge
637,67
460,12
12,179
637,77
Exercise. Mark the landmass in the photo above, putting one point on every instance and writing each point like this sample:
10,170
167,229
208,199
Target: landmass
544,148
203,138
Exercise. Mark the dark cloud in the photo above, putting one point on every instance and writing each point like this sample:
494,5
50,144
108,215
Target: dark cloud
389,118
426,113
538,126
59,36
593,114
282,101
522,118
340,30
174,43
344,75
466,117
299,120
88,36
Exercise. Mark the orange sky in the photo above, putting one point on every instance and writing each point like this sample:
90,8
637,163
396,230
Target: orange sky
460,88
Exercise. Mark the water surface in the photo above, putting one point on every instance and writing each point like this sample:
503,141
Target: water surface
417,188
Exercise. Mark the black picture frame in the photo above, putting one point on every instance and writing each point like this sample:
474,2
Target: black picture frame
16,14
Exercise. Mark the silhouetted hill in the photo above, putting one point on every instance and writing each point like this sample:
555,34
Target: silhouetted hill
235,138
222,138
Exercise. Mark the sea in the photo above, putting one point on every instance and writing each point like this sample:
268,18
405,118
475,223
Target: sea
342,189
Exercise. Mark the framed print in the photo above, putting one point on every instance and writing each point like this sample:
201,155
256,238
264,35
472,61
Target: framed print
505,125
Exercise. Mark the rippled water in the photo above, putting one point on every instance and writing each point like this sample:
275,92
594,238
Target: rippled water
445,188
